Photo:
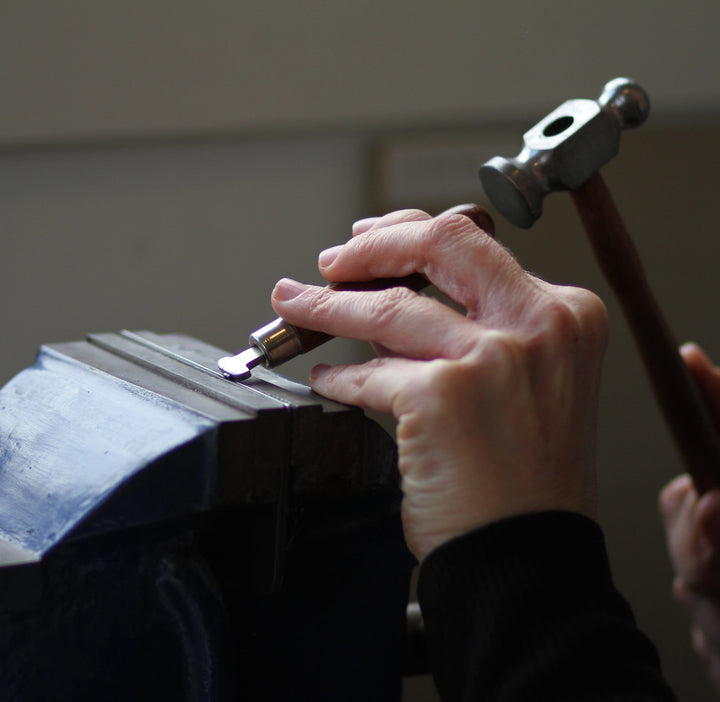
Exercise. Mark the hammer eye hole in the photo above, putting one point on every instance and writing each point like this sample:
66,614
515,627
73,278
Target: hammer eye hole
557,126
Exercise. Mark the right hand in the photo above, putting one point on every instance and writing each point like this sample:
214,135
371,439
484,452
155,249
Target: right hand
692,525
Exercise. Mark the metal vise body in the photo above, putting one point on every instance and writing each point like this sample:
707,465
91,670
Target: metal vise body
167,534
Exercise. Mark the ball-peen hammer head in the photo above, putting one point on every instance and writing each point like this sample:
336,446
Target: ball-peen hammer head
563,150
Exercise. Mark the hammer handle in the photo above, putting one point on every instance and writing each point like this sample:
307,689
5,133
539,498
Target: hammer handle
682,404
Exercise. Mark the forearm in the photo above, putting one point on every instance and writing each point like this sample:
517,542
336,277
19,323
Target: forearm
525,609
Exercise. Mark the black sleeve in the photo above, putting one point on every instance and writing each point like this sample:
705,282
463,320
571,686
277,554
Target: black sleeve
525,609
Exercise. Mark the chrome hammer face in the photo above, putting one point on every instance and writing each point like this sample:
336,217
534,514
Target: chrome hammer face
563,150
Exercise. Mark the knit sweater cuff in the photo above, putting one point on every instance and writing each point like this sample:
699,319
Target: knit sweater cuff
525,608
514,552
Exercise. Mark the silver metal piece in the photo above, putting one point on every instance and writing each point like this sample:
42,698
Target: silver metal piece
270,345
278,340
563,150
239,367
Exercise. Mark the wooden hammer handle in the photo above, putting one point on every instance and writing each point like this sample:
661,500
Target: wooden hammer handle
684,408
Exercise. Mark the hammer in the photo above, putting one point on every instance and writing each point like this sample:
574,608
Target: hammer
565,151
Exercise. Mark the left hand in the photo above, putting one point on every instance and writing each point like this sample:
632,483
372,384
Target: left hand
496,408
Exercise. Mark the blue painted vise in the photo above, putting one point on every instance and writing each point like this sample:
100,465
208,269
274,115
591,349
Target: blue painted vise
166,534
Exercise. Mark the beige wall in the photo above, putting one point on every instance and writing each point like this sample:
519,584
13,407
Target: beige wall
106,223
98,68
185,237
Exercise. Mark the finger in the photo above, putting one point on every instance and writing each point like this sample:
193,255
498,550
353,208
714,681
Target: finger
450,250
696,359
707,518
672,498
707,653
391,218
381,350
388,317
589,311
704,611
373,385
367,224
707,514
706,375
691,552
363,225
479,215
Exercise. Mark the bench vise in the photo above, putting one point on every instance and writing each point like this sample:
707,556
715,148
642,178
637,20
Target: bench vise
168,534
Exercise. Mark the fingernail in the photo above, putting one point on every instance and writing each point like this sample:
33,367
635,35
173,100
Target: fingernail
318,371
287,289
326,257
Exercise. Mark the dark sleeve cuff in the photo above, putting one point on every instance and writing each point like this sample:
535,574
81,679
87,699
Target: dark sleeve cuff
526,609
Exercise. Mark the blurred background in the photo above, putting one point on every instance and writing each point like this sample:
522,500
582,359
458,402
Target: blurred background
163,163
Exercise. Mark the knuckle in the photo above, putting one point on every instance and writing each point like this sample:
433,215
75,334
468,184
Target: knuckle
435,393
322,303
375,252
496,359
439,380
592,313
384,307
363,246
457,230
449,228
576,318
453,235
410,214
454,222
449,389
503,355
560,322
351,381
354,383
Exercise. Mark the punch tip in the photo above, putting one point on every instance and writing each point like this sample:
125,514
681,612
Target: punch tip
239,367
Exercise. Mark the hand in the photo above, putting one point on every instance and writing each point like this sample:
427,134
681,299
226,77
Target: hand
495,408
692,525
